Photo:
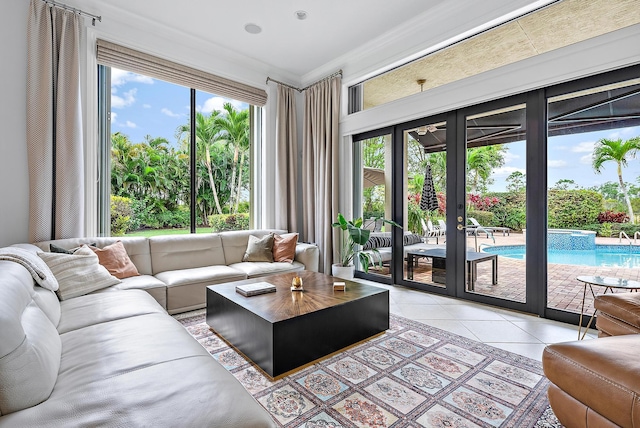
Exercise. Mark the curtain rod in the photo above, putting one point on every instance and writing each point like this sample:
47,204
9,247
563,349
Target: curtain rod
337,73
74,10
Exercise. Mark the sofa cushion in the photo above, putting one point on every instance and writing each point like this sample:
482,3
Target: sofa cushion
194,391
622,306
186,288
235,242
152,285
30,347
175,252
137,248
114,257
78,273
259,249
284,247
99,308
255,269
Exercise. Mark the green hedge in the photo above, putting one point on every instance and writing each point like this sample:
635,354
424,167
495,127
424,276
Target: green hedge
224,222
570,209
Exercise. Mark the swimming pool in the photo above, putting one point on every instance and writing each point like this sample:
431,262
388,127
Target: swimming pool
603,255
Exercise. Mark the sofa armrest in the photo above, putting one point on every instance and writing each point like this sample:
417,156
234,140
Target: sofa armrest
308,255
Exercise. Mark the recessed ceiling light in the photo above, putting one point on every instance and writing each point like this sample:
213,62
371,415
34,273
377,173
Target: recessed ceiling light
301,15
252,28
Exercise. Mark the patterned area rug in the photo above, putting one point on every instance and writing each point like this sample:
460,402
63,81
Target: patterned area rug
411,376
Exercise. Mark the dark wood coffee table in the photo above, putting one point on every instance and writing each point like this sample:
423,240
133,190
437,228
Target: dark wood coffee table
287,329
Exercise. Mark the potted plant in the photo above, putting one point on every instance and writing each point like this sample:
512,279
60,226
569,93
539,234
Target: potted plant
354,238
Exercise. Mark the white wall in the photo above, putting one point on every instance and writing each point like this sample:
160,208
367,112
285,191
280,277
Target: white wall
14,178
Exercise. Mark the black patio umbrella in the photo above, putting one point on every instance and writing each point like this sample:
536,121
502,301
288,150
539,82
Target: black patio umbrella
428,200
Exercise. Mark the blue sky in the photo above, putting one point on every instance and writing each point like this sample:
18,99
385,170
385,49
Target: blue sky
143,106
570,158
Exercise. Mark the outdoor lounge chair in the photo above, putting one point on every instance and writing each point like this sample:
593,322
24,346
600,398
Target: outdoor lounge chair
429,231
478,228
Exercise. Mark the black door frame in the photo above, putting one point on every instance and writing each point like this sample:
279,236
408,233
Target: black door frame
536,164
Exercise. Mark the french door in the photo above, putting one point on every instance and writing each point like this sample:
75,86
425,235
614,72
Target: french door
473,191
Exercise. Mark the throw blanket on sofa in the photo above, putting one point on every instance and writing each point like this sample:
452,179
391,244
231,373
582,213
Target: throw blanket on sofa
38,269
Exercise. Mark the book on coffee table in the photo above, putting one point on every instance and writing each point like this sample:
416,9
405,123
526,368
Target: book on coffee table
255,289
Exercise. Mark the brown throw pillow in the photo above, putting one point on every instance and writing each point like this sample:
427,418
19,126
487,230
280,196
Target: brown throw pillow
284,247
259,249
115,258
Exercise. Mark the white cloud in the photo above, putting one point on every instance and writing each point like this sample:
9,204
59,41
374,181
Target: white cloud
146,105
509,157
216,103
586,159
584,147
120,77
130,124
113,117
126,100
170,113
621,134
556,163
505,171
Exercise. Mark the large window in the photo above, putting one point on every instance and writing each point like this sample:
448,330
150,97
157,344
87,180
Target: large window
167,174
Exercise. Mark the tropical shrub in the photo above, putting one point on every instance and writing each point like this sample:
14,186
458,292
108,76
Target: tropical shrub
510,211
442,203
572,209
612,217
482,203
605,230
120,215
224,222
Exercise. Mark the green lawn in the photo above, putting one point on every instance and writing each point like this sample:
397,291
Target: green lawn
153,232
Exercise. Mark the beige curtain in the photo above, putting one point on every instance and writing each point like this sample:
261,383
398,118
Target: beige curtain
286,160
54,124
320,167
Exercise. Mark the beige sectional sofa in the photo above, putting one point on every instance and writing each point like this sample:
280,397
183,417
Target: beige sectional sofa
176,269
115,358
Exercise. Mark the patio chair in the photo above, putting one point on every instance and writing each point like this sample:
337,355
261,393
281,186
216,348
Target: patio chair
429,231
489,230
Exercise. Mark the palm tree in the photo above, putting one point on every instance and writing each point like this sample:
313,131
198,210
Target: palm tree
207,133
620,152
234,127
481,161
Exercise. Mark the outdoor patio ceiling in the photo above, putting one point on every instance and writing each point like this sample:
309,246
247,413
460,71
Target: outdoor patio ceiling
609,107
559,24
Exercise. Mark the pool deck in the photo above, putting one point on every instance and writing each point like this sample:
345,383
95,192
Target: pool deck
564,292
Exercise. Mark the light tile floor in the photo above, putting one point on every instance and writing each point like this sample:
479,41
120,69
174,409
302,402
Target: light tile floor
512,331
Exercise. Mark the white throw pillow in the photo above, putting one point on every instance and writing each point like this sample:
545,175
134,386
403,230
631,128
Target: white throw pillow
78,273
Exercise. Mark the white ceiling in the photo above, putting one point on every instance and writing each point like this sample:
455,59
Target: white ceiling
333,27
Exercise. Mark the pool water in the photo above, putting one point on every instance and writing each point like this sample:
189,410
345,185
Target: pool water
622,256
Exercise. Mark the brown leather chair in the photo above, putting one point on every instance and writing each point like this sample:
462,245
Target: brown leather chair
618,314
596,383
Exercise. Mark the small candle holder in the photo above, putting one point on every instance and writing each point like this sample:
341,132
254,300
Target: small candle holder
296,283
